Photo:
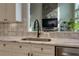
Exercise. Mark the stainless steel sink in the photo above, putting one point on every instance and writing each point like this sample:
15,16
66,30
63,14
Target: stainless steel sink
37,39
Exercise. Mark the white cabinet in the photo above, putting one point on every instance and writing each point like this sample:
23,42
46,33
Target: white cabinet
2,11
40,54
10,12
13,49
42,50
24,49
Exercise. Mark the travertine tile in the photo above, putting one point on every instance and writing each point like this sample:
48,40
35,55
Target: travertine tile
20,29
71,35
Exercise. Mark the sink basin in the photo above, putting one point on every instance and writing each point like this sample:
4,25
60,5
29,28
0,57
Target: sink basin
37,39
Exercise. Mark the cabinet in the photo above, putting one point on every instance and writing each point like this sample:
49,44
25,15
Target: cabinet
14,49
67,51
19,49
8,12
2,11
42,50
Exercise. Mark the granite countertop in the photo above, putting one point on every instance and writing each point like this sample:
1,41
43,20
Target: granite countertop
54,41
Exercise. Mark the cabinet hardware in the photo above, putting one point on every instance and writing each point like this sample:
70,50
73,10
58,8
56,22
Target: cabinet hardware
28,54
4,44
20,46
5,19
41,49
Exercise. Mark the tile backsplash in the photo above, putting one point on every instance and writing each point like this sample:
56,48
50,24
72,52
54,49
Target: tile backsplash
11,29
69,35
19,29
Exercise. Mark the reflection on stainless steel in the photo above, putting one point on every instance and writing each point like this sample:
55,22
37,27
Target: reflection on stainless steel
70,54
67,51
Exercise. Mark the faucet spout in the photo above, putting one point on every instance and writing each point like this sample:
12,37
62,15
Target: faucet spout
36,25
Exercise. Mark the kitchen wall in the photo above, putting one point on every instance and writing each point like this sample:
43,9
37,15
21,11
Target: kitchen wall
21,29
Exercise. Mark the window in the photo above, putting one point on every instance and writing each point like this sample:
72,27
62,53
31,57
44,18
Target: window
76,17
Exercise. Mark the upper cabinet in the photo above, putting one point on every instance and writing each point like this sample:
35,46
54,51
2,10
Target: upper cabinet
2,12
10,12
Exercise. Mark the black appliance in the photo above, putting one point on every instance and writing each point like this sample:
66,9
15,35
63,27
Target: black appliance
49,23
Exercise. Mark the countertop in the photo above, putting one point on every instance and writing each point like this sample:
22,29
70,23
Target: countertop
54,41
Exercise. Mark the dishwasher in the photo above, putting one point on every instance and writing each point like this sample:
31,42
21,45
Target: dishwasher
66,51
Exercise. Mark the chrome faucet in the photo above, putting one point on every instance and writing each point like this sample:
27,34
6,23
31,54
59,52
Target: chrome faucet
36,25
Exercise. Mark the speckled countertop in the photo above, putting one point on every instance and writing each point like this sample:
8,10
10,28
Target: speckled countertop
54,41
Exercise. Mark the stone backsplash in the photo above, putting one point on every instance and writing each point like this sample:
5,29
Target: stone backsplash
18,29
70,35
13,30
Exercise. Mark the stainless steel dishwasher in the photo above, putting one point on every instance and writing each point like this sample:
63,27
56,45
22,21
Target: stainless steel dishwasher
66,51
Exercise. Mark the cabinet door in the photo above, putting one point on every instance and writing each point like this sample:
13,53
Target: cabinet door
2,11
10,12
43,50
40,54
13,49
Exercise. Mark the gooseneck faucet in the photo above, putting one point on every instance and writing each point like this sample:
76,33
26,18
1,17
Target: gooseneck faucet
36,25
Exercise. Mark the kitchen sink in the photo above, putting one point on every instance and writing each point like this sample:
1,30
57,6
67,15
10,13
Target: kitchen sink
37,39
